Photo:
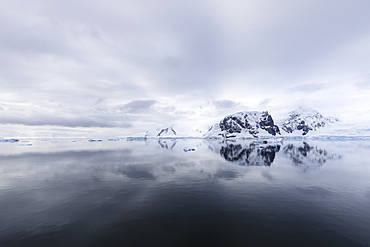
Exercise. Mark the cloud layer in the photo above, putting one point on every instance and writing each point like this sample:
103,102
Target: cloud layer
132,64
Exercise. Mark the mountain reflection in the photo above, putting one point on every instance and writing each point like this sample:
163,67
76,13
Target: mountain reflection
167,144
249,154
307,156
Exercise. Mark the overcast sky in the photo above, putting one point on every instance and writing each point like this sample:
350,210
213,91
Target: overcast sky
142,64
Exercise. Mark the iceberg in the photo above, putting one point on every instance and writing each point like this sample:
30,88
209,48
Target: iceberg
95,140
9,140
113,139
136,138
188,149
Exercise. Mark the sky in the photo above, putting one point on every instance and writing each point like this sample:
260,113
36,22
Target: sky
129,66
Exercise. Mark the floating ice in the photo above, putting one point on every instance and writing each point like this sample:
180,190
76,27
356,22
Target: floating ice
188,149
136,138
113,139
95,140
9,140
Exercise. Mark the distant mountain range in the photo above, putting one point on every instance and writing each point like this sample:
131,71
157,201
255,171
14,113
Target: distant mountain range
261,124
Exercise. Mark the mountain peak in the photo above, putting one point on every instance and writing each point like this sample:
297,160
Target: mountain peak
305,120
166,131
244,124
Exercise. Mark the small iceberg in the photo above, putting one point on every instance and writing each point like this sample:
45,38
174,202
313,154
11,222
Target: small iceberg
95,140
113,139
189,149
135,138
9,140
263,143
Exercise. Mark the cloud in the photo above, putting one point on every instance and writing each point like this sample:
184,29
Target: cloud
51,114
138,106
307,88
67,120
137,172
363,82
78,61
225,103
264,103
227,174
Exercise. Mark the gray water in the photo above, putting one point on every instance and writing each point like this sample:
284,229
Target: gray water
153,193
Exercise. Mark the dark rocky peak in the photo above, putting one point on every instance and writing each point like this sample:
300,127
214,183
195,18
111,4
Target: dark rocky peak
248,123
166,131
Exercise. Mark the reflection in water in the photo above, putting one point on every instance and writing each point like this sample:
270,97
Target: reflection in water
133,194
308,156
137,172
249,155
226,175
167,144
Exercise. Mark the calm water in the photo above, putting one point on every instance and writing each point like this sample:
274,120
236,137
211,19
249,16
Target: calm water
153,193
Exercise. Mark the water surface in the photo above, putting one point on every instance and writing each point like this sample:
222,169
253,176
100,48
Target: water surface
153,193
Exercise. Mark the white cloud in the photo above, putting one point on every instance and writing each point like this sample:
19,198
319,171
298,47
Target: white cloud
145,63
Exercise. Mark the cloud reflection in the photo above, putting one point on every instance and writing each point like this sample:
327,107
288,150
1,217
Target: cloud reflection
137,172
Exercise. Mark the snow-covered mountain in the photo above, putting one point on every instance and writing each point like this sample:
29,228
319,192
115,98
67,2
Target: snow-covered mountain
305,120
166,132
261,124
244,124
